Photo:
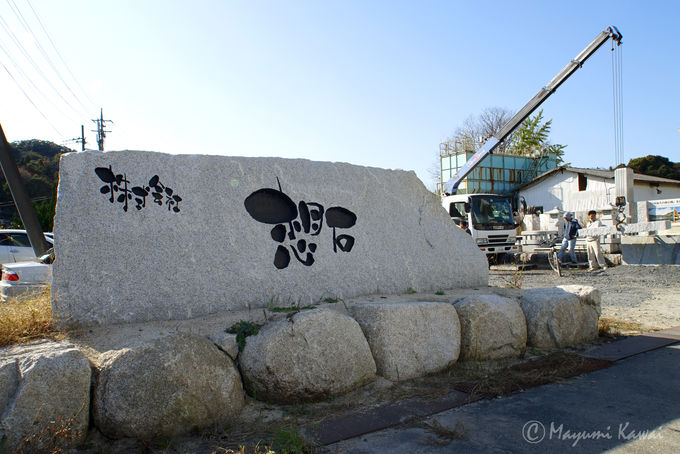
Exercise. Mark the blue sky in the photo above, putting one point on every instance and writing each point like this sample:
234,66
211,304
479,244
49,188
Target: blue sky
376,83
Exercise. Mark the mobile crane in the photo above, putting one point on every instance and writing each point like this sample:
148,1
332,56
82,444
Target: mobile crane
489,216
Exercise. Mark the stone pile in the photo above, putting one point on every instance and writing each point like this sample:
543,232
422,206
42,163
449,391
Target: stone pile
183,382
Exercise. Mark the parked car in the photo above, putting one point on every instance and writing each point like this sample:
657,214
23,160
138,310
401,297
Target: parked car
15,246
23,278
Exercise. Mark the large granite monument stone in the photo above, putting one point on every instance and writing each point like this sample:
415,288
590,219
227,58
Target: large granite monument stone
143,236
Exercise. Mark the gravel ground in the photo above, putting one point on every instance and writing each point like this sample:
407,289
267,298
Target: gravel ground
648,295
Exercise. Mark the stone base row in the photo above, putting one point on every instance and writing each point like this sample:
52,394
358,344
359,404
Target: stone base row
182,382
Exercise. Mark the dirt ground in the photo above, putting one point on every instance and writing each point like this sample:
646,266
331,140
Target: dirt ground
647,295
638,298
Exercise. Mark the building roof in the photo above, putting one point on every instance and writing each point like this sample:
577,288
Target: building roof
653,179
597,173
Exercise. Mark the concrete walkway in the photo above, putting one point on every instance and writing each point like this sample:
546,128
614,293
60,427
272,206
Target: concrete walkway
632,406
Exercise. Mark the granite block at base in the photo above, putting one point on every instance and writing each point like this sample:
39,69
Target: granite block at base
143,236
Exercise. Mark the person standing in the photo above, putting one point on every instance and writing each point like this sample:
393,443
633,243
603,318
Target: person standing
570,230
595,257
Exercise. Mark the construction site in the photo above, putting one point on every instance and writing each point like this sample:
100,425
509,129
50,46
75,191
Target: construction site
244,276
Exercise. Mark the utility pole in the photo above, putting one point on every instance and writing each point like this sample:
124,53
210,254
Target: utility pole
21,200
101,132
81,139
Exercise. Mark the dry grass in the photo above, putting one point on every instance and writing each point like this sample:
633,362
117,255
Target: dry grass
53,436
535,372
257,449
616,327
26,319
516,281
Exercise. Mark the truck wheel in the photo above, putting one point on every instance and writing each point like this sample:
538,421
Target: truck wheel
496,259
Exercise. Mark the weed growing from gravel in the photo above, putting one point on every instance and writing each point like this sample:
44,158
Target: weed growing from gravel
517,279
289,441
331,300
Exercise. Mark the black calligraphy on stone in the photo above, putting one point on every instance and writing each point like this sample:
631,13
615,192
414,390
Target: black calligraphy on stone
117,184
341,218
296,226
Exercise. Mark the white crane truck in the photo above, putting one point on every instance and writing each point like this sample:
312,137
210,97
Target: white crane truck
489,216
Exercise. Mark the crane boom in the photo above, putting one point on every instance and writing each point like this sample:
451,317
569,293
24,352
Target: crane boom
451,186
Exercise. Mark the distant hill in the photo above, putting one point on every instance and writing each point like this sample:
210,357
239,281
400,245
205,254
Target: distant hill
38,163
658,166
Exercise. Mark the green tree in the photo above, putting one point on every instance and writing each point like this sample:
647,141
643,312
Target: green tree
39,147
38,163
658,166
468,135
477,129
45,211
531,138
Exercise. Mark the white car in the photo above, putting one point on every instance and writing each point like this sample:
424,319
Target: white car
15,246
23,278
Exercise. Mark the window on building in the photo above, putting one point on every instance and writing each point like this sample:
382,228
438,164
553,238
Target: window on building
582,182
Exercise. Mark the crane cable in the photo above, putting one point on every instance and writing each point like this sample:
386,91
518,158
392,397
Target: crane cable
617,95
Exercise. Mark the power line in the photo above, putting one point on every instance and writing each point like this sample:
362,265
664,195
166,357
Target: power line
30,81
27,26
59,54
31,101
42,50
31,60
35,199
29,87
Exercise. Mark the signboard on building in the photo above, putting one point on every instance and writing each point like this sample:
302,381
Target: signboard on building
664,210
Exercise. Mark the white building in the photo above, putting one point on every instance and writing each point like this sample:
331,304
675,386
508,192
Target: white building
580,190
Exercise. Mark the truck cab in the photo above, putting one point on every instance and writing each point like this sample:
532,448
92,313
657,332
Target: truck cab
489,218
